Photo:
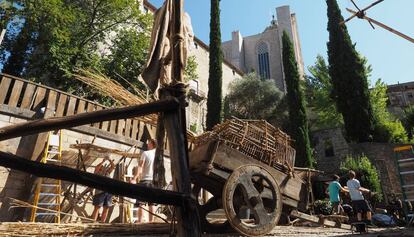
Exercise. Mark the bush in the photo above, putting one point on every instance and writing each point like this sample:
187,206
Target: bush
323,207
391,132
366,173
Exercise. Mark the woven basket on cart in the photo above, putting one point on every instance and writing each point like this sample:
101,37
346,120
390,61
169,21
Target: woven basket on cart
255,138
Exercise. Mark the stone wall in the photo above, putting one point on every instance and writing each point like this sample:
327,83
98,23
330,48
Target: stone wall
331,148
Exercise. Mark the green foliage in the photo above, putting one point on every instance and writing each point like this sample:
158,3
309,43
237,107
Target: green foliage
322,207
298,125
190,70
253,98
193,127
349,79
127,56
320,102
365,171
408,121
63,36
387,128
215,78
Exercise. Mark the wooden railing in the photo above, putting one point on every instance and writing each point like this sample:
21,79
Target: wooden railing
29,96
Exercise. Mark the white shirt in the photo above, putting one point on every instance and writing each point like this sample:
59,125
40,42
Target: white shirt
148,167
353,187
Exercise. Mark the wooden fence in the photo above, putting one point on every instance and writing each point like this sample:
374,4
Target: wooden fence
29,96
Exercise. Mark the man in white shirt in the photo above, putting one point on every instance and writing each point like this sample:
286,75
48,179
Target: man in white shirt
144,173
359,203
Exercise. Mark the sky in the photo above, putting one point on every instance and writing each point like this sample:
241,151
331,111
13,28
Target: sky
391,56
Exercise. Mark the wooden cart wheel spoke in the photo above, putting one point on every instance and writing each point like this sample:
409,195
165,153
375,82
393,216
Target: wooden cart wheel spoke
213,204
261,214
254,188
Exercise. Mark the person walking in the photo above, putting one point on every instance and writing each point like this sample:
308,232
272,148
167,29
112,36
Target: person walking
359,203
101,198
144,173
334,190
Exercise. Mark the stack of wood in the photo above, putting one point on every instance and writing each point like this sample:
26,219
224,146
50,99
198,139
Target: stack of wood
255,138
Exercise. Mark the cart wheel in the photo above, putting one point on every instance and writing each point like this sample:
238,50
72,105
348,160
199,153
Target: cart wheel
213,204
251,188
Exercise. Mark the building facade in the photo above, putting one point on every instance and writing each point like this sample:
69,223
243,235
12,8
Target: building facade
400,96
262,52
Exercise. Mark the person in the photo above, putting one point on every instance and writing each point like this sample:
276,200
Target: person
360,205
334,189
144,173
101,198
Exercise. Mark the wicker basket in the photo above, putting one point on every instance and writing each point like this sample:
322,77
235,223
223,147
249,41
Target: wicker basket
255,138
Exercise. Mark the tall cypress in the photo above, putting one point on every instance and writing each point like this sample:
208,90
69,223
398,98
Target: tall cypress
298,124
349,79
214,100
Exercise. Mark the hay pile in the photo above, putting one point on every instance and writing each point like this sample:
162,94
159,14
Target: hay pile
22,229
113,89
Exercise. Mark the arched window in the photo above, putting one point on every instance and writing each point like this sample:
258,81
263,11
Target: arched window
263,56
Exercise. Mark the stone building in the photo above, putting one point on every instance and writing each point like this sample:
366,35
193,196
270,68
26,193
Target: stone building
262,52
400,96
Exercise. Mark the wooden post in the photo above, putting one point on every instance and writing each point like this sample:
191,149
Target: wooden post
175,126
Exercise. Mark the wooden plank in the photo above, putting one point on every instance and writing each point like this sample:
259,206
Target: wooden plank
71,106
51,104
141,127
15,95
120,127
90,108
98,124
4,88
112,128
134,133
201,158
321,221
61,105
28,96
81,107
40,98
128,124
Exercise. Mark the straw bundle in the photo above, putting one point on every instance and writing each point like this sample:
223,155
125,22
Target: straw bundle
115,90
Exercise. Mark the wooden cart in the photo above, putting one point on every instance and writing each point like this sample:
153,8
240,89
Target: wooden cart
247,166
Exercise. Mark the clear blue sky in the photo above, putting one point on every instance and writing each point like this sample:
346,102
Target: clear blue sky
391,57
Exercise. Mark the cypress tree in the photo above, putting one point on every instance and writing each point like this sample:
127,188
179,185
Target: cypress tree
214,100
349,79
298,125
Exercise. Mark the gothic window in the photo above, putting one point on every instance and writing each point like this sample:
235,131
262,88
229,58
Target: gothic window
263,57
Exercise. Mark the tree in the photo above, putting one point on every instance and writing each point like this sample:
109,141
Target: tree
408,121
127,56
349,79
253,98
214,96
387,127
298,124
68,35
320,102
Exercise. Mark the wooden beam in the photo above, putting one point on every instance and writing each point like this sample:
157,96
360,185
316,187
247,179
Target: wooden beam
319,220
43,125
384,26
109,185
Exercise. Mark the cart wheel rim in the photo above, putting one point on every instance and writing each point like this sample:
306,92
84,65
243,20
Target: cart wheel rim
260,194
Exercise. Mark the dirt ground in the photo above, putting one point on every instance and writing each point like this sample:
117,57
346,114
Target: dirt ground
14,229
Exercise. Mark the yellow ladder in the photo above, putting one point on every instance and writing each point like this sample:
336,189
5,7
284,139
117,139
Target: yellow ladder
48,191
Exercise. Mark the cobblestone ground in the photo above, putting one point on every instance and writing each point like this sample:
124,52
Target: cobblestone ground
294,231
